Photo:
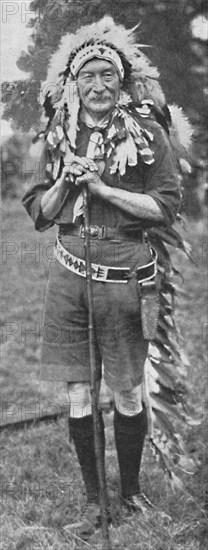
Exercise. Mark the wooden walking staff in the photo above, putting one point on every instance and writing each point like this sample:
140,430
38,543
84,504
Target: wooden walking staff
95,376
95,382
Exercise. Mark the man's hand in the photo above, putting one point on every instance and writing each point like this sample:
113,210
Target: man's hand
95,185
77,167
137,204
54,198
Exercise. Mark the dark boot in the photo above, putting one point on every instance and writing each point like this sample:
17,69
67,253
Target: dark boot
130,434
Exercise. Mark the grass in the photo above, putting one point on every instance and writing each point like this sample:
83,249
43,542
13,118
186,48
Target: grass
41,485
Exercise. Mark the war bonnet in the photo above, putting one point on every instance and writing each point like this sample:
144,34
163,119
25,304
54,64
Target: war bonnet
107,40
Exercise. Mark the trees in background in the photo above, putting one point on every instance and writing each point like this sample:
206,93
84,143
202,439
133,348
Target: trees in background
16,164
165,26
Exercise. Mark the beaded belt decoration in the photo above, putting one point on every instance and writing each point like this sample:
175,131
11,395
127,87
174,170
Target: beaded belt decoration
104,273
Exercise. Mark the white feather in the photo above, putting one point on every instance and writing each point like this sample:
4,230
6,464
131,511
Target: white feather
181,132
105,29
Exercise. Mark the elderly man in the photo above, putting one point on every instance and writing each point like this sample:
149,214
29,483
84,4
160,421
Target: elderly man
105,135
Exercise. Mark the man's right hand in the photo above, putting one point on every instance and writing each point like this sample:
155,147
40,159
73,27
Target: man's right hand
53,199
77,167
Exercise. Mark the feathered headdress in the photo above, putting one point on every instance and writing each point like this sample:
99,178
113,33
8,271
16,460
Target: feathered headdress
120,39
164,383
140,85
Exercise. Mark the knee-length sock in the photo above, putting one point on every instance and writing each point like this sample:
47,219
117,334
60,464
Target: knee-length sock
130,434
81,431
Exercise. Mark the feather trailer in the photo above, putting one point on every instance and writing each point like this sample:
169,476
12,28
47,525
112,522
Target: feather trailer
165,387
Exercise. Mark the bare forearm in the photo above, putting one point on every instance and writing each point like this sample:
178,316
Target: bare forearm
137,204
53,199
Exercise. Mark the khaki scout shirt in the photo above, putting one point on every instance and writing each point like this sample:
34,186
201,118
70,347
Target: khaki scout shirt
158,180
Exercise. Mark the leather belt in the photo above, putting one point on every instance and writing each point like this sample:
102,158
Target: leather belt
103,273
103,232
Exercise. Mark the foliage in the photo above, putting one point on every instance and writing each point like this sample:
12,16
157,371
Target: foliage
164,25
15,164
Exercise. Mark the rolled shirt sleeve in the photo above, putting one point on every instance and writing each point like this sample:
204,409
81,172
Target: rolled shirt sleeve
40,183
161,179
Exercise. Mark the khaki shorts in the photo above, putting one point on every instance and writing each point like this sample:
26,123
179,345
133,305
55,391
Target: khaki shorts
119,342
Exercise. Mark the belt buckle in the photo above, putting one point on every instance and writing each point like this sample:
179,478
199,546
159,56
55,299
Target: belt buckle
94,231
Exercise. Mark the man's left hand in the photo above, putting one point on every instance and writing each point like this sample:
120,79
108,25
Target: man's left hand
93,181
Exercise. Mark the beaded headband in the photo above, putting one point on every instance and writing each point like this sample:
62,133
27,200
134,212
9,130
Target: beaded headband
100,51
105,39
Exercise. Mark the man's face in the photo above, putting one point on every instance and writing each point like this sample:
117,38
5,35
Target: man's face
99,86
